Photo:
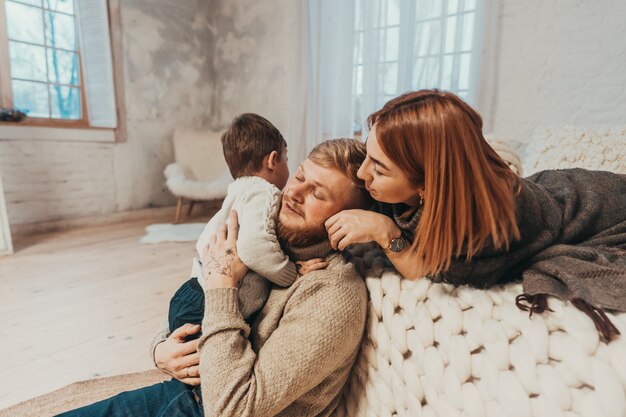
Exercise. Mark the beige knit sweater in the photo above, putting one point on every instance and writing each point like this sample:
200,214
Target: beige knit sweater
297,357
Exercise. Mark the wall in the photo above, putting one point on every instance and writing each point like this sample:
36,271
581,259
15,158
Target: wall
256,61
168,70
201,63
559,62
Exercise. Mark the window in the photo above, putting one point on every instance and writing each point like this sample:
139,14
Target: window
56,64
401,46
44,58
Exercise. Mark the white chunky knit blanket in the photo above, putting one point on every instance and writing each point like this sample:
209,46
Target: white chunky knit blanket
438,350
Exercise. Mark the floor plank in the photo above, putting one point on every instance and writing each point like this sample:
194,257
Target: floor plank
82,303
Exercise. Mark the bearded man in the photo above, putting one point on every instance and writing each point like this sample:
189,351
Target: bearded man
296,356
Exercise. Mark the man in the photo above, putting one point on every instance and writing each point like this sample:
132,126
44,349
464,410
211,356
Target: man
297,355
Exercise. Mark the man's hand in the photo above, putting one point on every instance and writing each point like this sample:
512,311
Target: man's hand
221,266
178,358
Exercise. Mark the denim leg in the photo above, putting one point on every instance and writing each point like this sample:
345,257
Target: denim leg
149,401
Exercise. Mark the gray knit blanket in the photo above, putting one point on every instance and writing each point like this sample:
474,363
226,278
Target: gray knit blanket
573,244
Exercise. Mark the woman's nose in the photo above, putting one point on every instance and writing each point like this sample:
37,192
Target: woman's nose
363,172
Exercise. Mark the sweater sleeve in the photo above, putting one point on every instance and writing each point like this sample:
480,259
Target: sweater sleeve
319,332
257,244
160,336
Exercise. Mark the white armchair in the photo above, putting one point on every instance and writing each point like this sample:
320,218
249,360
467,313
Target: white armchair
200,172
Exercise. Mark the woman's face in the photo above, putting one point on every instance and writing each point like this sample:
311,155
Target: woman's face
383,179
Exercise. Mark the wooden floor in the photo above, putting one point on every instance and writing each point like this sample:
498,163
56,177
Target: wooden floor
83,303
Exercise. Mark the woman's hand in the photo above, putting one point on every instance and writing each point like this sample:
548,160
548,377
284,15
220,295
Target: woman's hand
178,358
221,266
360,226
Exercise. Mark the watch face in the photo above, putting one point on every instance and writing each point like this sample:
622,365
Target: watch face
397,245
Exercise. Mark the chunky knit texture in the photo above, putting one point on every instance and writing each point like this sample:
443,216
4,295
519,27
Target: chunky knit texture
257,203
298,354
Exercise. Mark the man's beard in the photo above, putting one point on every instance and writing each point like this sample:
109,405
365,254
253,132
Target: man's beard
300,236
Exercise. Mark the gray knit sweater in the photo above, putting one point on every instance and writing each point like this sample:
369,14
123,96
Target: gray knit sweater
573,240
298,354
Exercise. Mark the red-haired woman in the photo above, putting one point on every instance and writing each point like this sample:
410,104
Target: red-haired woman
451,209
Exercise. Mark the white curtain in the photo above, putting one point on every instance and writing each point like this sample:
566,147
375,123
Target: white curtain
406,45
355,55
323,104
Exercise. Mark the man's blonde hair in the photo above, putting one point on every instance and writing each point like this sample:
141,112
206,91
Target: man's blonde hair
346,156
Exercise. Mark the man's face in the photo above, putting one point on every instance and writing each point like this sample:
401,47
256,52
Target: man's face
310,197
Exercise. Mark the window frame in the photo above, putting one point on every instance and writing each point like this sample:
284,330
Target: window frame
32,126
407,24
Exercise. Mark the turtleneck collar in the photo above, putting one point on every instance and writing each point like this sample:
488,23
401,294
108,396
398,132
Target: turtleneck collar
318,250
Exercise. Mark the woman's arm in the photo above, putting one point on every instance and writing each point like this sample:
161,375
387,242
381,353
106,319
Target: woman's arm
362,226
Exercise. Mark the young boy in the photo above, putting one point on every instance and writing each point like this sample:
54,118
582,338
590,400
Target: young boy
256,154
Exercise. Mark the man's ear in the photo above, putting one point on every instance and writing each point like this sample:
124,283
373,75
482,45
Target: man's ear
272,160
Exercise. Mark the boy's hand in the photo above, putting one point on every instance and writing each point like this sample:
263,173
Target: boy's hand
304,267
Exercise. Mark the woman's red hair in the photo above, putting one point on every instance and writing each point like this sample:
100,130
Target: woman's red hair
469,191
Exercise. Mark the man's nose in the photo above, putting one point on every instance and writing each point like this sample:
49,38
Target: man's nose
295,193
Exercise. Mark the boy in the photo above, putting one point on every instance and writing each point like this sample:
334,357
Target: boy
256,154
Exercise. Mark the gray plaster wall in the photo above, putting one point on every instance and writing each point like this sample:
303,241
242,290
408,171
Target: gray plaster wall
168,72
256,59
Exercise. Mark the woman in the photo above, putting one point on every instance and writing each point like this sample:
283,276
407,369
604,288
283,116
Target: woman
450,208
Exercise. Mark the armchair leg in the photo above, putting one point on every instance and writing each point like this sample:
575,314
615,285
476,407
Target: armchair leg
179,207
190,207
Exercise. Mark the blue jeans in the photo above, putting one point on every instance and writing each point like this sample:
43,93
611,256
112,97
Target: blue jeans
165,399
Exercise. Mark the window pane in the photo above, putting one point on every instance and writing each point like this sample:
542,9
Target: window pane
65,102
470,5
31,97
27,61
392,43
427,38
453,6
62,67
450,34
468,32
358,80
65,6
358,15
464,71
393,12
60,31
388,78
428,9
446,75
33,2
25,23
426,73
358,48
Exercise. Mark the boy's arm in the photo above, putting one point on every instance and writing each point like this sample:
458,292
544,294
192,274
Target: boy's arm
258,245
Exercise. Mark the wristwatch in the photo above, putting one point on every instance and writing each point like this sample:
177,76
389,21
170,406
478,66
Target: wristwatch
396,245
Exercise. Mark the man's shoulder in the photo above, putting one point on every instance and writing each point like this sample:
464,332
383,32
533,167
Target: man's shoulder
340,275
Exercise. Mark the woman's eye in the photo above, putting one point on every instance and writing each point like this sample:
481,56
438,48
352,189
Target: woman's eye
317,196
300,179
377,172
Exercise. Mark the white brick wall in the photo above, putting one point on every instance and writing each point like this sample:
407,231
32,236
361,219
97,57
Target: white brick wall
53,180
559,62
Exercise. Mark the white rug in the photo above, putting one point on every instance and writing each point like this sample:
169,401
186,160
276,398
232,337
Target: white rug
187,232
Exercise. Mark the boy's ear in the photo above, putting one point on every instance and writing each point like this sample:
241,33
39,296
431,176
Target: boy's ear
272,160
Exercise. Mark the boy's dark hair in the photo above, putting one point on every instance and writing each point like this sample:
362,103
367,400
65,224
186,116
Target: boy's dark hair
247,141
